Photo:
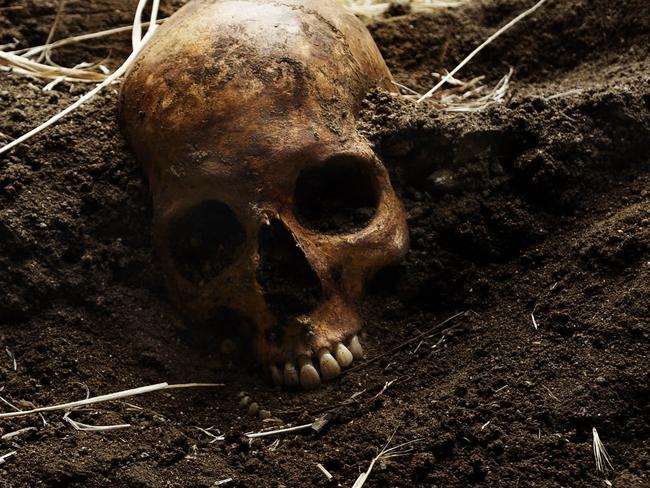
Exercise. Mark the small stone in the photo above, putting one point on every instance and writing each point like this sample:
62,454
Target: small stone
253,409
601,380
244,401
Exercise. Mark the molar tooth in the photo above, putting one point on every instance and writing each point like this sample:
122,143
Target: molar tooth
276,376
290,374
355,348
343,355
329,368
309,377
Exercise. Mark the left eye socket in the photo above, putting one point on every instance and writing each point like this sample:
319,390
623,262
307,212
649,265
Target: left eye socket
206,240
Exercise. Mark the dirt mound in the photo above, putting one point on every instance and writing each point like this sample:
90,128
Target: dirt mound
531,217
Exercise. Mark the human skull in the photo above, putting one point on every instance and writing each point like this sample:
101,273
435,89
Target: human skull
267,202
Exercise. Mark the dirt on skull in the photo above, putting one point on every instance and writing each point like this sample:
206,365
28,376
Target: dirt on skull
539,205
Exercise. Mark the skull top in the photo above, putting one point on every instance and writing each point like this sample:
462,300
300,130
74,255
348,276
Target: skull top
242,114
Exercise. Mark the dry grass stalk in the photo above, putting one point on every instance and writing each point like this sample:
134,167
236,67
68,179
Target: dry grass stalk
488,41
138,44
469,96
327,474
19,62
107,398
24,66
32,51
16,433
384,454
4,457
473,100
7,403
12,358
214,438
79,426
603,461
286,430
55,26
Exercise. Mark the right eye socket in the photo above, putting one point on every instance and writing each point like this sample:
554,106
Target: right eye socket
340,197
205,241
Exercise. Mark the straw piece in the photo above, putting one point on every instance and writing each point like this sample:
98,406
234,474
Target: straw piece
480,48
109,397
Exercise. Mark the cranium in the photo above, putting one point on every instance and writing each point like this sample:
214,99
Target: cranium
242,113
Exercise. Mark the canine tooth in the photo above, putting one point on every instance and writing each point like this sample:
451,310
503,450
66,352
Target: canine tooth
309,377
329,368
290,374
276,376
343,355
355,348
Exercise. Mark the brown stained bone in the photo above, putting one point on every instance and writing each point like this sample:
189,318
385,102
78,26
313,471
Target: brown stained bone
229,102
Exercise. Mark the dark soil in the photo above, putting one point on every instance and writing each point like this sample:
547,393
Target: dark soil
537,207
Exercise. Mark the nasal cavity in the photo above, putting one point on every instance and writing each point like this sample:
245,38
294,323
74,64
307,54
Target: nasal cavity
290,285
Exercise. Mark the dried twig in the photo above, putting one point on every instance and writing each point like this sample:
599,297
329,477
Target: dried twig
381,392
108,398
479,49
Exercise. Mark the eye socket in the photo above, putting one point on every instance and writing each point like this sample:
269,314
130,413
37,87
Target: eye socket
339,197
205,240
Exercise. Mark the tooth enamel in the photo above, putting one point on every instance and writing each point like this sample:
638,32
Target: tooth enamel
355,348
276,376
343,355
329,368
309,377
290,375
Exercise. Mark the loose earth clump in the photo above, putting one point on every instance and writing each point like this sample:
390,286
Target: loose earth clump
535,208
